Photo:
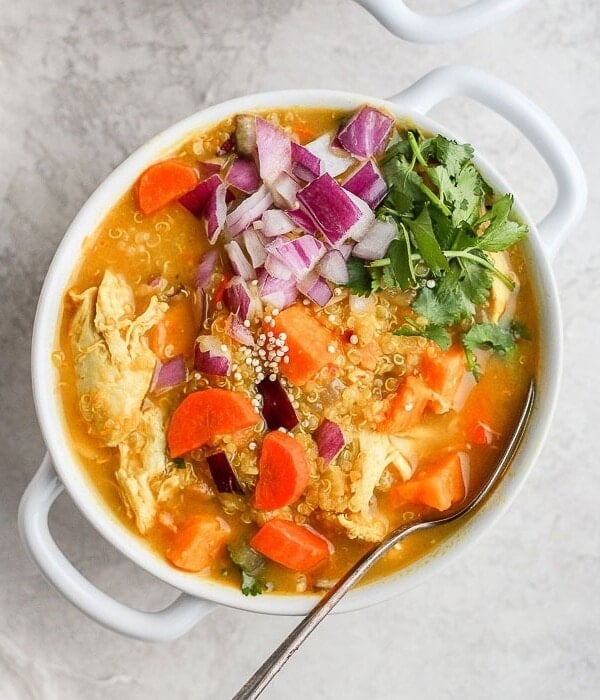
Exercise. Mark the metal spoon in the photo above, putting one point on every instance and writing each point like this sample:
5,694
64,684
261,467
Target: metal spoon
265,674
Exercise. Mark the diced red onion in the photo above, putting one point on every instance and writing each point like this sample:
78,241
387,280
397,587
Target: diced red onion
334,163
243,175
366,132
299,254
276,268
206,268
255,247
216,211
277,409
316,289
238,331
222,474
277,292
239,298
330,440
346,249
196,200
276,222
367,183
284,190
274,150
168,375
227,146
360,228
239,262
211,357
249,210
305,165
333,267
332,208
376,241
302,220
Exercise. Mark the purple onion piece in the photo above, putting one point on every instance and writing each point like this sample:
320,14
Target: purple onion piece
305,165
275,223
249,210
243,175
330,440
196,200
300,255
210,357
277,269
316,289
238,331
168,375
255,247
274,150
374,244
239,262
366,132
332,208
346,249
367,183
222,474
333,267
241,300
216,212
227,146
302,220
277,409
206,268
284,190
333,163
277,292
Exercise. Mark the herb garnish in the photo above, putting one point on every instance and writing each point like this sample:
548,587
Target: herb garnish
447,226
250,563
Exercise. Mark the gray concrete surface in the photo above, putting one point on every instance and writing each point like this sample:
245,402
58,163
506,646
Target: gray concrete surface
82,84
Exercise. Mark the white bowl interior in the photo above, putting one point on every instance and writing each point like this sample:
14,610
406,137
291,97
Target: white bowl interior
76,480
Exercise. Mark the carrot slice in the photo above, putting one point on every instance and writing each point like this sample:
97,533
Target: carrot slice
293,546
443,372
163,183
283,472
407,406
176,332
308,341
206,414
438,485
198,542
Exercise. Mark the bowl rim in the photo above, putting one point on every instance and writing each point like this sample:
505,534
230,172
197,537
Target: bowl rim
80,486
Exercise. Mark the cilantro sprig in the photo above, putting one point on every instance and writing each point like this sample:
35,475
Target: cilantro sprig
448,223
250,564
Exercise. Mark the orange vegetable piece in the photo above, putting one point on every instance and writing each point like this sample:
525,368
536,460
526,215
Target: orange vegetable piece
443,372
206,414
303,132
438,485
175,334
283,472
308,342
293,546
198,542
407,406
163,183
476,416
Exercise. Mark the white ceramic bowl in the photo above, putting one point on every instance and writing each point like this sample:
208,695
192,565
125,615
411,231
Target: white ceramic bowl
456,24
60,467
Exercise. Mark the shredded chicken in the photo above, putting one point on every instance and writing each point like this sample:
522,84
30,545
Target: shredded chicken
114,364
500,295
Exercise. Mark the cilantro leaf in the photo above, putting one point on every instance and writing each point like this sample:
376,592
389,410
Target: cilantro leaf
404,187
359,279
502,232
422,231
251,585
490,335
438,334
476,281
451,154
250,563
399,254
466,195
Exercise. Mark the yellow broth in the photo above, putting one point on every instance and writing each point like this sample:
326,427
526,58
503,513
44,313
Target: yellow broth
170,244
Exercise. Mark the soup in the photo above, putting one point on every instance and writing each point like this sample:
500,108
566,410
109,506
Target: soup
297,331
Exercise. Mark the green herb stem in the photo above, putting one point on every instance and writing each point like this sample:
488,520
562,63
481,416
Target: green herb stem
484,262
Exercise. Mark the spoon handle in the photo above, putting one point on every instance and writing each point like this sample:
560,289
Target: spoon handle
271,667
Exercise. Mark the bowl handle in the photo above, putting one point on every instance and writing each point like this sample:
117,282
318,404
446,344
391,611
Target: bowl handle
532,122
412,26
171,622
